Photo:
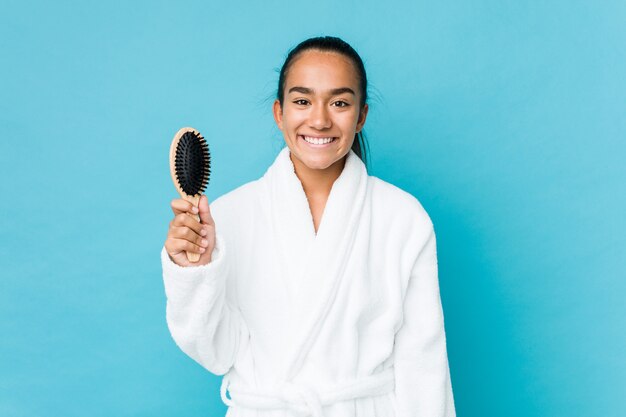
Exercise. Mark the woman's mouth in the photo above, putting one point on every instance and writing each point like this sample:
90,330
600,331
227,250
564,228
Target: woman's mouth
317,142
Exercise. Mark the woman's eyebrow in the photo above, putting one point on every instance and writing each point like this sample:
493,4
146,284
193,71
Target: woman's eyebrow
334,91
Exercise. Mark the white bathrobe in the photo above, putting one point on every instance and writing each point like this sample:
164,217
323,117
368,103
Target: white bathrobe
346,322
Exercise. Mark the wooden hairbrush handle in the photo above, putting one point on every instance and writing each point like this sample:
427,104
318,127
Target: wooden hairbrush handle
195,200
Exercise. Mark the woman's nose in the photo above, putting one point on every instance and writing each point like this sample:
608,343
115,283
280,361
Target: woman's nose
320,119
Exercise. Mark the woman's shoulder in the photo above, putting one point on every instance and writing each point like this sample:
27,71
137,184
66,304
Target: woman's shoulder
243,191
234,201
236,213
401,205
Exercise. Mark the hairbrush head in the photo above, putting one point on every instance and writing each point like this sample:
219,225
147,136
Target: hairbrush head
190,162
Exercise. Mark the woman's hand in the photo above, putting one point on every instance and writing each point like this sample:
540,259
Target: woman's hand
186,234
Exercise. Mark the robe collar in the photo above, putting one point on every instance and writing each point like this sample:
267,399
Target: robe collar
312,265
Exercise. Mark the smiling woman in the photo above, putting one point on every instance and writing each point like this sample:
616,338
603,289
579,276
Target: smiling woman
316,291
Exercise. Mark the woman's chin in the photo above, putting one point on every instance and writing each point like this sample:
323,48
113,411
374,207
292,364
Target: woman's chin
320,163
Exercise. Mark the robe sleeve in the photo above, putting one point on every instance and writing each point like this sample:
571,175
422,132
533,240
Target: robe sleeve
422,375
201,320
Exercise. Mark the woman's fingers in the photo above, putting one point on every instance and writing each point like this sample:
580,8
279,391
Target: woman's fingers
174,246
203,210
186,233
180,205
184,219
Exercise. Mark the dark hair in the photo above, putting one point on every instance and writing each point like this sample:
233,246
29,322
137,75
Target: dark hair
331,44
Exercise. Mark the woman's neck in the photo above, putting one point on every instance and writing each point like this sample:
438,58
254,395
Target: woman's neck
317,183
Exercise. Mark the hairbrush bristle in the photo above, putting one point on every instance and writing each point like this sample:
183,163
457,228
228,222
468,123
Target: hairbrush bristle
192,163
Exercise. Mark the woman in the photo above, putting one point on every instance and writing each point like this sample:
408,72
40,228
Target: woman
316,292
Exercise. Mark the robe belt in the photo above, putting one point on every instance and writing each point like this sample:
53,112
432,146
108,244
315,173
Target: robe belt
306,400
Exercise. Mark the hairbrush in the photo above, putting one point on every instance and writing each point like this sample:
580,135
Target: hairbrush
190,166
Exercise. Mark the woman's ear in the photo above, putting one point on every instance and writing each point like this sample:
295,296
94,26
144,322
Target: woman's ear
278,114
362,117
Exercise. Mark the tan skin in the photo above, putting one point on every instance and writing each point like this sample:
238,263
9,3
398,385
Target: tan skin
310,108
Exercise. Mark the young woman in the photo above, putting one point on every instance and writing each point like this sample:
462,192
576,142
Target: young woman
316,292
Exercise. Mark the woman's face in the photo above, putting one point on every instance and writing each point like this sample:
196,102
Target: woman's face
320,113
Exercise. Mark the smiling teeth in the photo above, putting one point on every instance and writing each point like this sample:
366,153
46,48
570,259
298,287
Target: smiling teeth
317,141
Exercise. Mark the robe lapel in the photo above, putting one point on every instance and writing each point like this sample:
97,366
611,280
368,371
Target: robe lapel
312,265
292,230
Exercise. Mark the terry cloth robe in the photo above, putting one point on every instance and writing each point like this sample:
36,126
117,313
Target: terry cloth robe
345,322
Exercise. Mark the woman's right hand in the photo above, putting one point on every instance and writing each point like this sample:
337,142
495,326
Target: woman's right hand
186,234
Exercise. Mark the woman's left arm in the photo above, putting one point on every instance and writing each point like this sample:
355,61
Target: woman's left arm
423,386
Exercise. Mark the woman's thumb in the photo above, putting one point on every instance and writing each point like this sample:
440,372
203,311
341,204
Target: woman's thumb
204,211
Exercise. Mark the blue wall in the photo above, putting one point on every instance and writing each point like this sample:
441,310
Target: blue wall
506,119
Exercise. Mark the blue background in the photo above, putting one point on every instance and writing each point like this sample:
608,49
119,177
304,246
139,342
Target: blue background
506,119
